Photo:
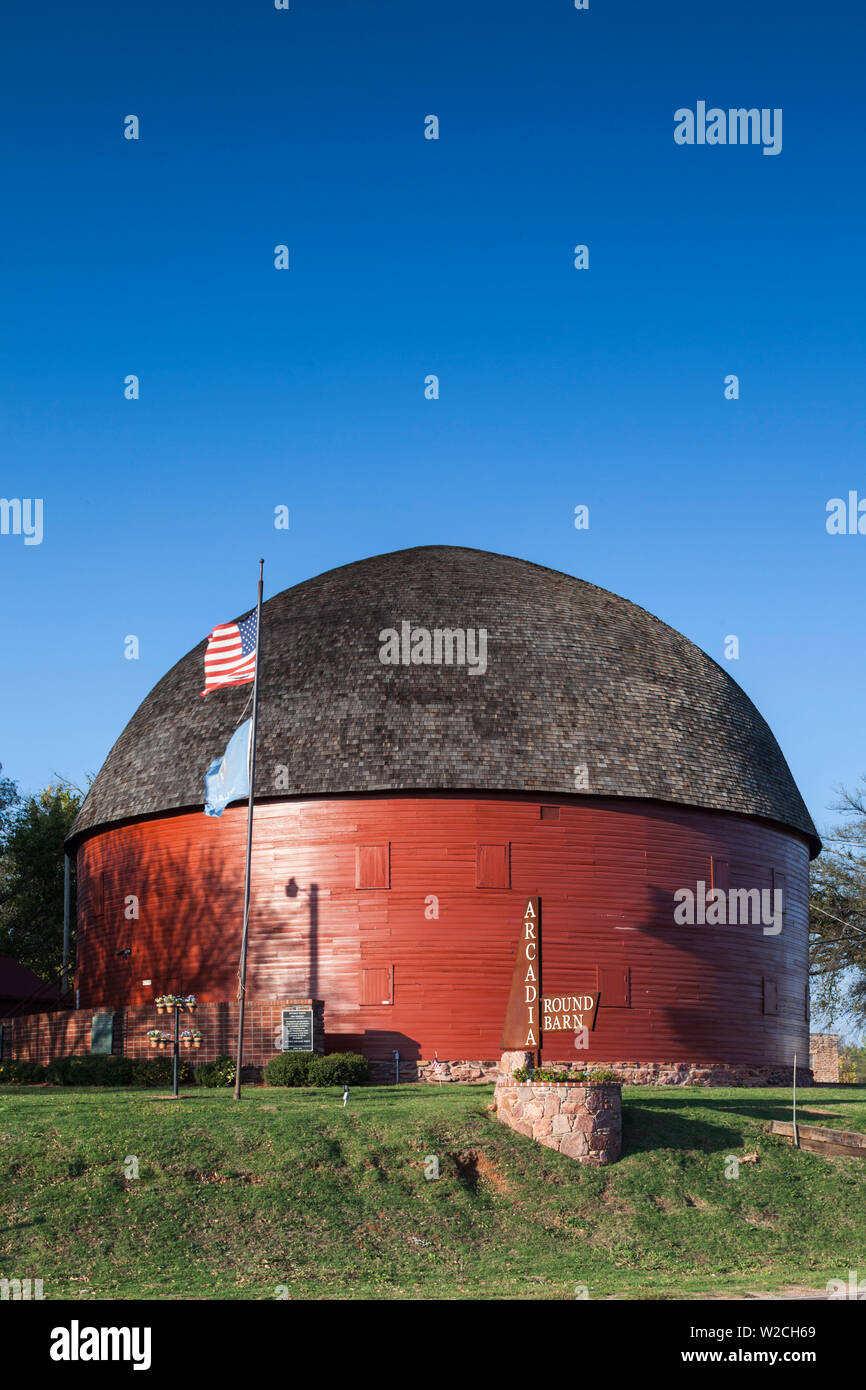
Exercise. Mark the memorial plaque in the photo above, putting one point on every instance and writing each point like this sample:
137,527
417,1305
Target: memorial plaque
102,1034
297,1030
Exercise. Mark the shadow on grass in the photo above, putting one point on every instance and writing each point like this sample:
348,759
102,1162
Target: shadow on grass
803,1098
646,1127
467,1170
184,1095
21,1226
755,1105
331,1150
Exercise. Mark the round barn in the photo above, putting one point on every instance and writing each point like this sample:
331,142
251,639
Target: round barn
443,733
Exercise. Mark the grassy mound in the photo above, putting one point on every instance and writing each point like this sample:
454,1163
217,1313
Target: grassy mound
290,1192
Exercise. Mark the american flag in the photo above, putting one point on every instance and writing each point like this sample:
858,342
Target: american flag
230,658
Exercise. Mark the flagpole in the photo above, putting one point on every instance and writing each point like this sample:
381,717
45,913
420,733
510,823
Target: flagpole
242,971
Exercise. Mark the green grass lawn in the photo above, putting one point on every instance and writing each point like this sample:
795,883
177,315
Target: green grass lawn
835,1111
288,1188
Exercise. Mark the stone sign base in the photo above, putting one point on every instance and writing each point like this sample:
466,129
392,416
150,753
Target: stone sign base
583,1122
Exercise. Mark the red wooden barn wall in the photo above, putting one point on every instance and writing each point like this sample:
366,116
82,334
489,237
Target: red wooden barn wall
606,870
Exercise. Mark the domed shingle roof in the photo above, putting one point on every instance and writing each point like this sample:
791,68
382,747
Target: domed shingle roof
574,675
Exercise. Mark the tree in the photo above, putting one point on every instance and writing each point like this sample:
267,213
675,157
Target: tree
9,799
852,1062
837,915
31,877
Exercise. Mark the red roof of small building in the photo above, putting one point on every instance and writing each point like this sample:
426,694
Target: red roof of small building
22,992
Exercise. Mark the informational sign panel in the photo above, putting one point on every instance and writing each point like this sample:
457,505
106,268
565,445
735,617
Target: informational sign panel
297,1030
522,1031
102,1034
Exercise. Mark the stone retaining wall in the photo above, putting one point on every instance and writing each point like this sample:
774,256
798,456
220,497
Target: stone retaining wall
630,1073
702,1074
464,1072
583,1122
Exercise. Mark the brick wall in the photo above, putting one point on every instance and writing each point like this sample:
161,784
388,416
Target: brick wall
824,1055
41,1037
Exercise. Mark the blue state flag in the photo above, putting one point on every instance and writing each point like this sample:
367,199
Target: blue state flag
228,778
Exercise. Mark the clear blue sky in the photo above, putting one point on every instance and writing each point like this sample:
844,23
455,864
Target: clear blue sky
410,257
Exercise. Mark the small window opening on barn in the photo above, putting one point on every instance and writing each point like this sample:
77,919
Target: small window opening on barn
373,866
720,873
550,813
771,996
614,987
493,866
377,985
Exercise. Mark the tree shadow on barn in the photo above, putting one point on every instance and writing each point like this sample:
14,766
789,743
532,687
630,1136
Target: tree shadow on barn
182,910
187,935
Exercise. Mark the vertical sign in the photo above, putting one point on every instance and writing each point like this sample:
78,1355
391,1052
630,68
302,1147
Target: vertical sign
522,1032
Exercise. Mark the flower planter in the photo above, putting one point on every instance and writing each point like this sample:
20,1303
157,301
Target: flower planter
153,1042
196,1042
579,1119
551,1085
160,1008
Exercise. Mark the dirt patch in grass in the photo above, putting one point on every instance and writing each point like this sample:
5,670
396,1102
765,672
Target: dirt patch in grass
473,1166
791,1291
666,1204
193,1175
614,1202
759,1218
